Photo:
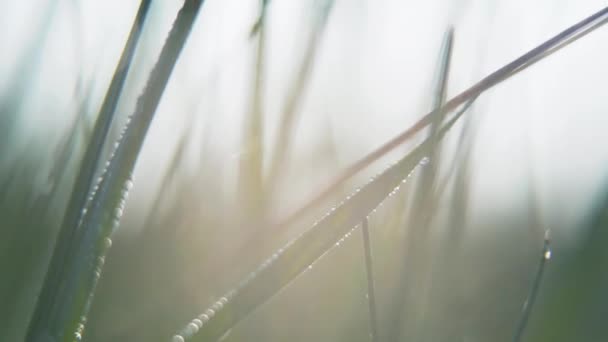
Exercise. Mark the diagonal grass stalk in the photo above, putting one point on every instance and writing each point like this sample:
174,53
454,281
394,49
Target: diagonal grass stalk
288,262
295,257
526,60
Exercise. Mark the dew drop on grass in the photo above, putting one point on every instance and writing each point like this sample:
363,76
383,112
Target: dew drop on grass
198,322
108,242
217,306
548,254
177,338
192,328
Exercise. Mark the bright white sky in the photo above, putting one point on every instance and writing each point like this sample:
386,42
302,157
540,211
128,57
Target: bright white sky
371,80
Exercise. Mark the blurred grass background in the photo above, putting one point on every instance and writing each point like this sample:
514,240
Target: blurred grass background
267,103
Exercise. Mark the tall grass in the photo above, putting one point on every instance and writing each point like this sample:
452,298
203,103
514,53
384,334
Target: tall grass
86,235
94,211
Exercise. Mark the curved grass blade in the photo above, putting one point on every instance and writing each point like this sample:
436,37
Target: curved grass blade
91,240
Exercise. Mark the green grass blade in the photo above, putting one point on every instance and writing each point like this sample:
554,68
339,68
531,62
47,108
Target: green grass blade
75,288
81,188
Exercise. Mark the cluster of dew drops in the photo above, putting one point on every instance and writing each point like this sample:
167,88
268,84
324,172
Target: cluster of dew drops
197,323
117,215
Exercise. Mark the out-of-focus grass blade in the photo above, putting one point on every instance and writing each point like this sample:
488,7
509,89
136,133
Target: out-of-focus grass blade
250,182
81,188
23,77
416,249
536,223
295,96
89,243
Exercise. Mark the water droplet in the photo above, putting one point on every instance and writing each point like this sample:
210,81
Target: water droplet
424,161
548,254
192,328
217,306
210,313
197,322
108,242
177,338
310,267
223,300
204,318
77,336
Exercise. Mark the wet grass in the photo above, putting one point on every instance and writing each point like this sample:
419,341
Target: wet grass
184,248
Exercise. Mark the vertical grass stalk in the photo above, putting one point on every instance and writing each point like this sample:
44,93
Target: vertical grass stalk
65,317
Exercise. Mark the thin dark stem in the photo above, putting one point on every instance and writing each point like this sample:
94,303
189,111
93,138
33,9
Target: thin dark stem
534,289
371,292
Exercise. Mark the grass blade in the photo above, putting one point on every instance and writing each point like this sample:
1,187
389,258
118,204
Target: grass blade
288,262
83,264
81,188
531,57
371,291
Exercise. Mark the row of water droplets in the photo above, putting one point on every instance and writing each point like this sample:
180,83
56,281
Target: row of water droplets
197,323
105,229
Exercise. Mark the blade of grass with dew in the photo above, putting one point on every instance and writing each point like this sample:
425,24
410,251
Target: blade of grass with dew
75,289
526,60
536,223
288,262
500,75
573,307
82,186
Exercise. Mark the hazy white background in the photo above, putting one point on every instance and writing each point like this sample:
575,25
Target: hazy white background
370,81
